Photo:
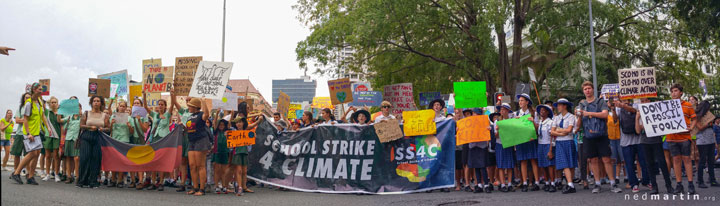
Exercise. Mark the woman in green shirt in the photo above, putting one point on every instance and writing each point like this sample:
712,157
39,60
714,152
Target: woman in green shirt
34,120
72,132
184,164
120,132
6,127
52,141
139,125
160,129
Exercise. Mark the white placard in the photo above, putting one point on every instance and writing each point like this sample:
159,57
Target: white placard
664,117
228,102
211,79
121,118
113,90
531,72
637,83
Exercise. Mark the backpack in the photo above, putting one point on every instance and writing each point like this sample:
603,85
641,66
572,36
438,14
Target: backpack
627,121
594,127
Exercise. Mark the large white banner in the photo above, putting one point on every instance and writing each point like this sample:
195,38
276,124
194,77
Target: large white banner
211,79
661,118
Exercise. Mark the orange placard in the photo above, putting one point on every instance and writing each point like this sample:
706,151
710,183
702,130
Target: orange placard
239,138
473,129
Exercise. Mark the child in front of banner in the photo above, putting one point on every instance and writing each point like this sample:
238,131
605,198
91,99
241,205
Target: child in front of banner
239,161
120,132
545,154
221,155
565,152
527,152
160,128
504,156
478,158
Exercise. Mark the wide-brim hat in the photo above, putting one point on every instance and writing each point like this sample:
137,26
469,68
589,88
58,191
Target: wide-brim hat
545,106
477,111
563,101
505,105
442,103
526,96
194,102
357,113
493,115
467,110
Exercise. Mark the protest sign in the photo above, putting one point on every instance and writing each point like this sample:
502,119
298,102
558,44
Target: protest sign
661,118
401,97
120,118
704,120
531,73
113,90
299,114
151,63
427,97
100,87
521,88
228,102
119,78
419,122
361,87
45,84
283,104
470,94
610,91
135,93
368,98
340,91
516,131
139,111
637,83
322,102
69,107
153,99
388,130
291,111
239,138
185,68
158,79
211,79
473,129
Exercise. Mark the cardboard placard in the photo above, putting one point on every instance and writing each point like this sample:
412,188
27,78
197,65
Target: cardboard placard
283,104
340,91
299,114
637,83
291,112
610,91
427,97
119,78
185,68
211,79
151,63
470,94
239,138
100,87
388,130
473,129
369,98
419,122
401,97
158,79
661,118
45,84
322,103
705,120
153,99
531,73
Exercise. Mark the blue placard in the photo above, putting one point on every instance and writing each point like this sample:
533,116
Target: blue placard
369,98
427,97
69,107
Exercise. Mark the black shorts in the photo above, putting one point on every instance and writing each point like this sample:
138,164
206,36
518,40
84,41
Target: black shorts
458,160
679,148
465,154
597,147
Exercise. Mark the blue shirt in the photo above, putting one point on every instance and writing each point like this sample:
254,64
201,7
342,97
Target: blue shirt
716,129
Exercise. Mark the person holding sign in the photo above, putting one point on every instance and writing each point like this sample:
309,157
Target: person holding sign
72,132
504,156
630,142
546,160
653,152
184,117
120,130
239,159
385,108
327,117
199,144
594,111
52,143
139,124
477,156
527,152
565,154
705,146
680,143
160,128
34,119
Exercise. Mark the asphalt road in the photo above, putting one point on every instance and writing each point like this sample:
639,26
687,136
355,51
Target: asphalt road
51,193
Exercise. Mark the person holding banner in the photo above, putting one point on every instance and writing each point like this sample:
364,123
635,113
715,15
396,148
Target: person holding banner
71,153
327,117
33,123
546,160
653,152
239,159
139,124
307,119
504,156
6,127
121,132
459,169
705,146
361,117
385,108
680,143
478,156
160,128
527,152
93,122
18,147
565,151
438,105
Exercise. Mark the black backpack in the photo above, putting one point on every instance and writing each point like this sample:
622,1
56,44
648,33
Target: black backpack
627,121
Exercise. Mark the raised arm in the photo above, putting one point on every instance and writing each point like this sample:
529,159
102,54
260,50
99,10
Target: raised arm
255,124
173,100
145,103
206,111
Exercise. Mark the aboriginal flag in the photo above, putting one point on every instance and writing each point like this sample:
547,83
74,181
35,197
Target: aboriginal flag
161,156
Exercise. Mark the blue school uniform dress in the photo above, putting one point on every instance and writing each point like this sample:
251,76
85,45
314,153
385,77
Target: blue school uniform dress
527,150
544,143
565,150
504,156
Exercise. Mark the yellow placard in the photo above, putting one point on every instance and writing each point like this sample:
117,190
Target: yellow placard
322,103
135,93
419,122
473,129
291,113
239,138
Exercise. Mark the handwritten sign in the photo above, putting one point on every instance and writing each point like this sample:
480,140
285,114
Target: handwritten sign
322,103
228,102
664,117
100,87
401,97
419,122
637,83
473,129
119,78
69,107
211,79
610,91
283,104
521,88
135,93
139,111
340,91
361,87
704,120
153,99
185,68
388,130
292,111
151,63
427,97
369,98
470,94
157,79
121,118
299,114
239,138
45,84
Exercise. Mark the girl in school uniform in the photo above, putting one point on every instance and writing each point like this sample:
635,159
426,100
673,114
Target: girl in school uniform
565,154
478,158
504,156
546,160
527,152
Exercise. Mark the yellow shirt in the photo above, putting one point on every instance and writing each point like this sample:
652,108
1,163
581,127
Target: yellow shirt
613,128
35,121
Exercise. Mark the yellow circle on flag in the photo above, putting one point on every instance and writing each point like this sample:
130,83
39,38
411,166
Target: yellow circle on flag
141,154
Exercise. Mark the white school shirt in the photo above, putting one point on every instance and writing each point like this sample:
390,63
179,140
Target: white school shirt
544,128
521,113
568,120
382,117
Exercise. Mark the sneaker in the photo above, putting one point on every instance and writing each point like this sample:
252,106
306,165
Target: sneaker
679,189
111,184
691,189
224,190
57,178
16,178
568,190
535,187
596,189
32,181
180,189
218,190
52,175
524,188
46,178
702,185
714,184
161,188
120,185
635,189
488,189
551,189
152,187
477,189
616,189
654,191
511,188
503,189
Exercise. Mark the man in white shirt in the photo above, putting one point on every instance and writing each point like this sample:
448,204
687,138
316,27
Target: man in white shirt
385,107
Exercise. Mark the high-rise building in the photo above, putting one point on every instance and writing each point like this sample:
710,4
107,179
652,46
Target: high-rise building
299,90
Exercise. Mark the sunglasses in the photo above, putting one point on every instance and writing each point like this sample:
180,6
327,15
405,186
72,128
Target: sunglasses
386,107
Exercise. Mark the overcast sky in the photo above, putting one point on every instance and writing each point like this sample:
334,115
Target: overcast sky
71,41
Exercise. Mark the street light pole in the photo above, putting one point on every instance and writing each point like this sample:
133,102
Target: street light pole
223,34
592,48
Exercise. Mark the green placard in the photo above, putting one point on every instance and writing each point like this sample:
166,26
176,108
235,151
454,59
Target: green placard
516,131
470,94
